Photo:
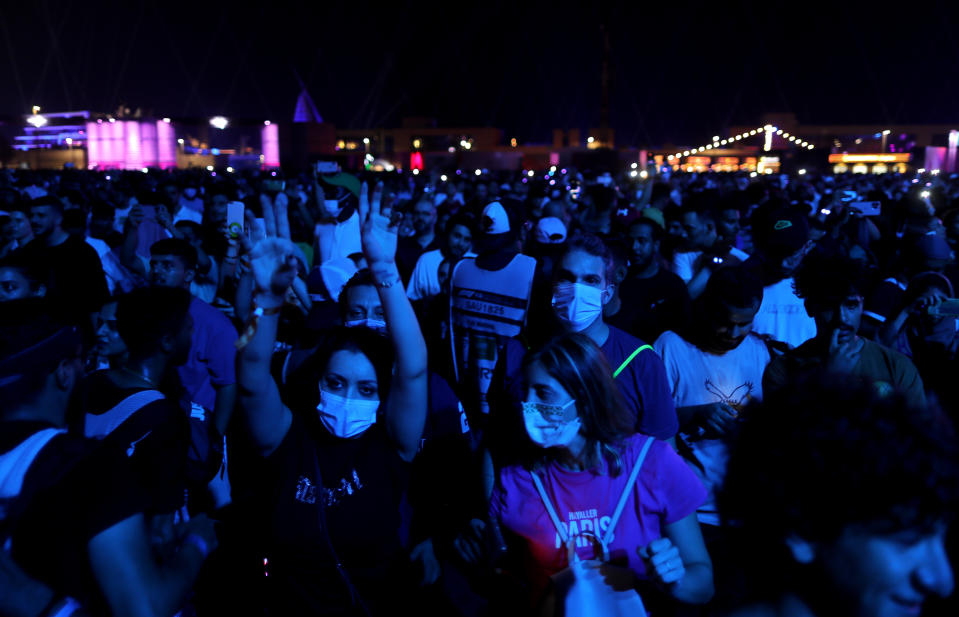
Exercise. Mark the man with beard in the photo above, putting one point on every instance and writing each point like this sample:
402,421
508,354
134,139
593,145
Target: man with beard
208,376
457,243
424,238
832,290
134,408
77,282
714,368
655,298
72,509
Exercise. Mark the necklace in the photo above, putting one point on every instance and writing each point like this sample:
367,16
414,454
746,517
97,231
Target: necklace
139,375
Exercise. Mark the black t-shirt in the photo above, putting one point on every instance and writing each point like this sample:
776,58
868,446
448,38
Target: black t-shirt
76,274
155,438
444,480
884,301
408,251
650,306
362,483
72,491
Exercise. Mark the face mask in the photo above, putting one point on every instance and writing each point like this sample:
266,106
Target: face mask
549,433
372,324
189,193
332,207
578,305
346,417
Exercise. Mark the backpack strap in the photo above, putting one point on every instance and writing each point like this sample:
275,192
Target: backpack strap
100,425
606,539
630,359
627,490
15,463
549,506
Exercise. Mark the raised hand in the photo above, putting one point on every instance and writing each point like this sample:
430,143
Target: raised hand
269,216
379,235
274,267
280,210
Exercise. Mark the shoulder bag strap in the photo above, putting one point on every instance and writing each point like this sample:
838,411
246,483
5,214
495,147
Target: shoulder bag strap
627,490
355,597
630,359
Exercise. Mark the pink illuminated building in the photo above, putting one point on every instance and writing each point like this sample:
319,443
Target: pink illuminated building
130,144
270,139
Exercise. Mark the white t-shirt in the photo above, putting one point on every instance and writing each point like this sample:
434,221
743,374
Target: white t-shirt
112,269
696,378
187,214
346,237
782,315
684,263
425,280
205,286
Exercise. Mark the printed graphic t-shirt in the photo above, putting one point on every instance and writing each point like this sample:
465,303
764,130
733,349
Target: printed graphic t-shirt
362,483
666,491
697,378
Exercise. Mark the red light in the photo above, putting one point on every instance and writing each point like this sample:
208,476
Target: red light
416,161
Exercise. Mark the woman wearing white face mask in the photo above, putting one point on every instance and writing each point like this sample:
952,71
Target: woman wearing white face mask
586,452
334,465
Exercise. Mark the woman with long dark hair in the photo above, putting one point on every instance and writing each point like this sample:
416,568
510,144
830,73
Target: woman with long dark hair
586,454
333,459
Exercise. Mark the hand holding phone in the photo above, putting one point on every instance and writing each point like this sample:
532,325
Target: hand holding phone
235,213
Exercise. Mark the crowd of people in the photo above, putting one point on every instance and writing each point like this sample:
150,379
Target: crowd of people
258,393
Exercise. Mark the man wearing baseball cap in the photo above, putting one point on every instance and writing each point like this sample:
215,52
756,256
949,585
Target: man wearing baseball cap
489,300
782,241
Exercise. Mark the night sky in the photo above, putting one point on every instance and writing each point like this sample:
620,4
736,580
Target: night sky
681,72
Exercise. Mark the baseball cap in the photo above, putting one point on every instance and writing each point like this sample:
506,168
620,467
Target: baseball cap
783,232
549,230
495,219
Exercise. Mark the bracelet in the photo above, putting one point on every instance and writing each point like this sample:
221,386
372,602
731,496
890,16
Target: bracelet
254,323
391,274
198,543
387,284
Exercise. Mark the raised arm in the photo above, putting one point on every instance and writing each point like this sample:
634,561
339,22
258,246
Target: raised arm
266,417
406,407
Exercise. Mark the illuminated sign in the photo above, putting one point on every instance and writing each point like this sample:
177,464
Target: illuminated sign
869,158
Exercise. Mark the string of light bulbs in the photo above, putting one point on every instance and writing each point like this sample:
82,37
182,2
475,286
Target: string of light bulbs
767,130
